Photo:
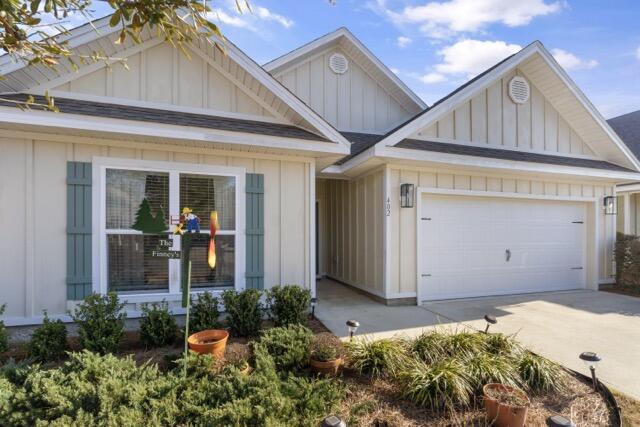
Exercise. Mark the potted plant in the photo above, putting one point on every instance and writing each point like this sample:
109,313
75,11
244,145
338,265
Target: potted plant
506,406
326,354
237,356
211,341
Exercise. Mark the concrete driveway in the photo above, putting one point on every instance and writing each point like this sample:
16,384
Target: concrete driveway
558,325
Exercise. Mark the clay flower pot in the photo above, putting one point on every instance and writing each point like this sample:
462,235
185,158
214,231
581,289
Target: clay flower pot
509,412
210,341
329,368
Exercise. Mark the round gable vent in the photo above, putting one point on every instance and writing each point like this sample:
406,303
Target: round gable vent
519,90
338,63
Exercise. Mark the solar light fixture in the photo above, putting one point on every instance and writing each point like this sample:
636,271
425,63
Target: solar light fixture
333,421
314,302
559,421
591,360
610,205
352,325
491,320
406,195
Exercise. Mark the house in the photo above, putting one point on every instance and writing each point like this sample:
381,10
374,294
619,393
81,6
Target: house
627,126
321,162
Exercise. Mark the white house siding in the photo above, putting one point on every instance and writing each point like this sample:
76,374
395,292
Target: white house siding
162,74
352,101
490,118
33,212
401,223
351,227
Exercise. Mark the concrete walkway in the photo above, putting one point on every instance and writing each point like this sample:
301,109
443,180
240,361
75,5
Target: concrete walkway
558,325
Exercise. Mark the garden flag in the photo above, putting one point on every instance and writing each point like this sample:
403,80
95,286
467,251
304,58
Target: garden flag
212,242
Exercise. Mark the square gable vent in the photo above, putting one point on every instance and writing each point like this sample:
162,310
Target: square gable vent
338,63
519,90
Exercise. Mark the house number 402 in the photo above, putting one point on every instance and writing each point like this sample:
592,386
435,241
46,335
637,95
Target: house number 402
387,207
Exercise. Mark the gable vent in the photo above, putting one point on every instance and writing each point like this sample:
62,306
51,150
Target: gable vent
519,90
338,63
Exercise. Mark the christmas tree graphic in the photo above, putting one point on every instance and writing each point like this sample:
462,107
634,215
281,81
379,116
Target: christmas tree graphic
146,222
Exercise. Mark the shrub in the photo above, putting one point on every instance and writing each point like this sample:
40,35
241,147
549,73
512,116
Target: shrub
487,368
326,347
627,256
244,312
288,304
237,355
49,341
204,313
100,322
288,346
443,385
158,326
539,374
503,345
4,335
379,357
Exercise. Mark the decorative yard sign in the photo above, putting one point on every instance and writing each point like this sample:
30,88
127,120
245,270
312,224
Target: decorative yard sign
163,250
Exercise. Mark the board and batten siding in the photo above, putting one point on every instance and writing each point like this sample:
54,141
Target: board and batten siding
164,75
401,223
33,212
351,229
491,118
352,101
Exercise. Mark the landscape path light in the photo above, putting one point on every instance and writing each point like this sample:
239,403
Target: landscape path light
559,421
491,320
353,327
333,421
591,359
314,301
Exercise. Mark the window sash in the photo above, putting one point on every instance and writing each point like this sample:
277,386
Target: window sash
174,170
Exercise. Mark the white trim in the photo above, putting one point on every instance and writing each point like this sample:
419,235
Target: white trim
312,228
591,243
450,103
12,116
274,65
162,107
631,188
99,244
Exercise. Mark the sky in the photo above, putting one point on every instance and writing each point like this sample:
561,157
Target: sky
435,46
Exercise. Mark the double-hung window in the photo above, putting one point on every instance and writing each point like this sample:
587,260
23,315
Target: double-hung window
137,201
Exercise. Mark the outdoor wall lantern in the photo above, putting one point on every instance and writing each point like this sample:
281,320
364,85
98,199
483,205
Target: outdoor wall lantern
591,360
610,205
353,327
406,195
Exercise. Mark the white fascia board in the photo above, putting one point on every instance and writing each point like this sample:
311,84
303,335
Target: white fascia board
628,188
514,166
550,60
15,116
332,37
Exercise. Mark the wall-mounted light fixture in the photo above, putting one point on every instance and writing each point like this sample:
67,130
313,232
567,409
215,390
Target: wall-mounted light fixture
406,195
610,205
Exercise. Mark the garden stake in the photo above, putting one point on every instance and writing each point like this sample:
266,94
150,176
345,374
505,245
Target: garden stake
186,323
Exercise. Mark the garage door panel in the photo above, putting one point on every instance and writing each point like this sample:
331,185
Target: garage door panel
463,247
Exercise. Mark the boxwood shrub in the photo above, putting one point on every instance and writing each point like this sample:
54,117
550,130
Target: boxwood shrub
288,304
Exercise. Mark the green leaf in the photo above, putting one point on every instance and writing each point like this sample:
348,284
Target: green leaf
35,4
115,18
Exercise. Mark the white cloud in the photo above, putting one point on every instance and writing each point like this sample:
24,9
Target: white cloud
266,15
245,18
470,57
446,18
394,70
432,77
403,41
569,61
638,53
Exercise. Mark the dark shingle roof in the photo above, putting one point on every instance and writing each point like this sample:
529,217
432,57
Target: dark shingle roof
498,153
153,115
359,143
627,127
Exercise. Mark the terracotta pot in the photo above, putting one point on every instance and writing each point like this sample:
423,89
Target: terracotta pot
501,414
329,368
210,341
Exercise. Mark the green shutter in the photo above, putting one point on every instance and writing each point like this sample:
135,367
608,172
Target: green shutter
78,230
255,231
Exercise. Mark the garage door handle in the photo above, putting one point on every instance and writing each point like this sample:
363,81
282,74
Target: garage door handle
508,254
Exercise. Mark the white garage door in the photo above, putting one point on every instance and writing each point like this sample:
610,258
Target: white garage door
478,246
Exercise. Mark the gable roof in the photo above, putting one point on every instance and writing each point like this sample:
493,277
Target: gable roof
153,115
359,143
540,67
350,44
627,126
20,77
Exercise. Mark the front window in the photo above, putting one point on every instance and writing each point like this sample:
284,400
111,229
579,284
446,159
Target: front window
139,206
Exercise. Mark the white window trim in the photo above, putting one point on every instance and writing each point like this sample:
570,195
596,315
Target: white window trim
99,242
